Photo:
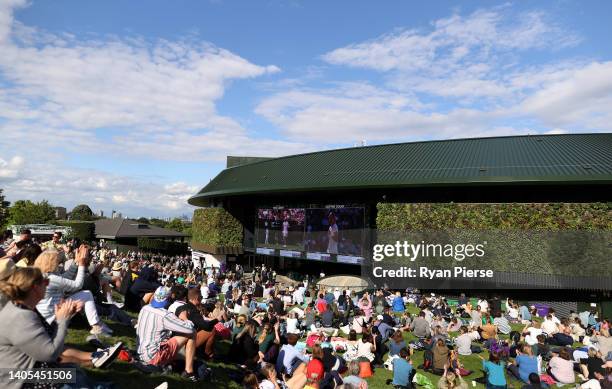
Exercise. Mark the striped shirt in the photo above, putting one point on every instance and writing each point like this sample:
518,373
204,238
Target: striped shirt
155,325
503,326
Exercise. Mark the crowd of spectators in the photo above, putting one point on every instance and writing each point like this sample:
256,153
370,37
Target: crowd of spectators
295,335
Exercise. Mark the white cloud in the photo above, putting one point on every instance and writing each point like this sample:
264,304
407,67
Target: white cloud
10,169
582,98
47,179
125,96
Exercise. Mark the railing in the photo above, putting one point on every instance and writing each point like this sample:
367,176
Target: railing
40,229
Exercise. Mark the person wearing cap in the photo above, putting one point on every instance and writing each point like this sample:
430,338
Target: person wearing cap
156,344
315,369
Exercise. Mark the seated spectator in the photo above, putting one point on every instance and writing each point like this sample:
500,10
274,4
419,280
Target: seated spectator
398,304
534,382
525,363
396,343
269,377
440,356
402,370
561,368
531,332
592,364
420,326
290,360
32,342
366,348
464,343
157,345
269,341
494,370
603,340
353,378
454,325
502,324
145,285
193,311
451,380
59,287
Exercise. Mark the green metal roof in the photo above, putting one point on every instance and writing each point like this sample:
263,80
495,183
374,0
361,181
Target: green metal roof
567,158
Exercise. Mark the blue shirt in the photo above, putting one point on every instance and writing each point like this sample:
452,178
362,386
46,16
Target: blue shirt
398,304
495,373
526,365
401,371
525,312
286,358
394,348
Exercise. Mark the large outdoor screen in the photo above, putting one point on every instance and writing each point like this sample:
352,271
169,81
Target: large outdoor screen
280,228
335,231
329,233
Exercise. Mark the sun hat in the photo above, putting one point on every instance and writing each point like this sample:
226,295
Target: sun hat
379,317
7,268
117,266
160,297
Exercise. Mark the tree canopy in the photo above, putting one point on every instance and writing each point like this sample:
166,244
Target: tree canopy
81,212
29,212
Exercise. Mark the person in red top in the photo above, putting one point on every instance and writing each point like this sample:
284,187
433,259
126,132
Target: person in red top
321,304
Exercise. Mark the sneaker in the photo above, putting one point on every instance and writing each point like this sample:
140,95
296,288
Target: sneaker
163,385
98,331
118,305
189,376
103,358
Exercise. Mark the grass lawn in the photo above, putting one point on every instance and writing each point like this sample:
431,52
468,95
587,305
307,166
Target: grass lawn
126,376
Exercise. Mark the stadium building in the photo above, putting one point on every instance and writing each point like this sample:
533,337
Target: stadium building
316,211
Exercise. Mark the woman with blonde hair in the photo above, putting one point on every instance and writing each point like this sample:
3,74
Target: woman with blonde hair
59,286
219,312
31,342
451,380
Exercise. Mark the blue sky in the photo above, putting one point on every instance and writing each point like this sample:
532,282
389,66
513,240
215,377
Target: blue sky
133,106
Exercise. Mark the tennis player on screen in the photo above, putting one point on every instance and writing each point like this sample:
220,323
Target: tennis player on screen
332,234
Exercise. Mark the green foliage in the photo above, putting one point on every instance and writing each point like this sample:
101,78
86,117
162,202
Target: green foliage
521,216
28,212
158,222
4,210
175,224
543,238
81,212
83,230
216,227
162,246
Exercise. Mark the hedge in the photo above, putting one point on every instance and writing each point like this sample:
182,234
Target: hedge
215,227
85,231
544,238
164,246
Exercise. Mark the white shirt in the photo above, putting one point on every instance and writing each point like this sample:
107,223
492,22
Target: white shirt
285,228
332,244
172,308
204,291
532,337
292,326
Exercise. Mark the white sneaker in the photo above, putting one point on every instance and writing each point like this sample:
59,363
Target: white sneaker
103,358
163,385
101,330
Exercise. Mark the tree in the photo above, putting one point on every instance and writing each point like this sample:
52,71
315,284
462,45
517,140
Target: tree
158,222
28,212
81,212
4,210
175,224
